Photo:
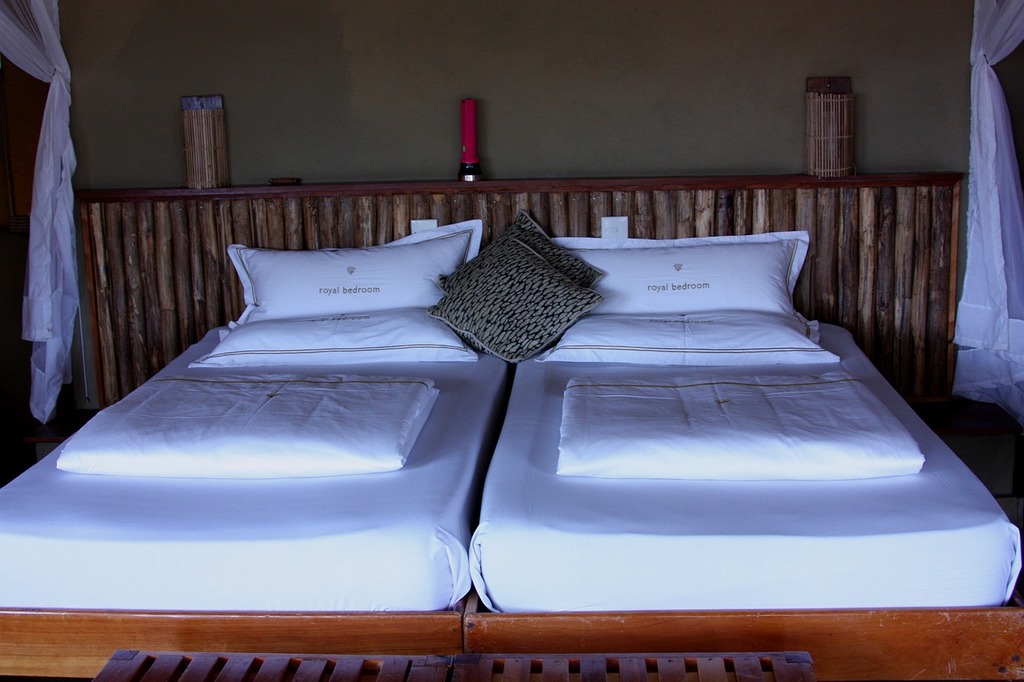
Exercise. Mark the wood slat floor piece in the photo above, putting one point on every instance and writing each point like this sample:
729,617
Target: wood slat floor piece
144,666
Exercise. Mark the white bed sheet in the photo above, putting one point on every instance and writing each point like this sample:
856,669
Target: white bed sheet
391,541
547,542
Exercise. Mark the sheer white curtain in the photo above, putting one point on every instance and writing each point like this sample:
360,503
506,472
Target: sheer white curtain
30,37
990,316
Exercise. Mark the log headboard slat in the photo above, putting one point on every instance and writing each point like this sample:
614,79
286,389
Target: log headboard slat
881,263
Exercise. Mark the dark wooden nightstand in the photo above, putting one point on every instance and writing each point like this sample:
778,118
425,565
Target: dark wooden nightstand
59,428
962,417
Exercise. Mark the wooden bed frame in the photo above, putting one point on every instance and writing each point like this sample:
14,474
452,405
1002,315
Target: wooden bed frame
883,249
76,643
846,644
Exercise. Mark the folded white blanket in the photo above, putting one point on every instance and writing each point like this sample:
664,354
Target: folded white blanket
827,426
255,426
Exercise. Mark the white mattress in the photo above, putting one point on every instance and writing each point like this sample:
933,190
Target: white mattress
548,542
380,541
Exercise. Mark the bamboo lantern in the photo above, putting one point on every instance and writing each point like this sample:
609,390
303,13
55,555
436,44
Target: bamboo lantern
829,127
205,142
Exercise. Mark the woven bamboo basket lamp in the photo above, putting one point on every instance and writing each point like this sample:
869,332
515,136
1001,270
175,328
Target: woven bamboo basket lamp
829,127
205,142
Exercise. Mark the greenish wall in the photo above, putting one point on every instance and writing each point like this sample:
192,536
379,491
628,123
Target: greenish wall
330,90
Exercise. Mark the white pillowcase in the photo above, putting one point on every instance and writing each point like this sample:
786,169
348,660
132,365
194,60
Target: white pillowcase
401,274
402,335
716,338
740,272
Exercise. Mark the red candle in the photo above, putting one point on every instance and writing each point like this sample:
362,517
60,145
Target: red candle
469,131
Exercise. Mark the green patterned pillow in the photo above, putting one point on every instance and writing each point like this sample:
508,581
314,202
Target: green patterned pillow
510,302
526,230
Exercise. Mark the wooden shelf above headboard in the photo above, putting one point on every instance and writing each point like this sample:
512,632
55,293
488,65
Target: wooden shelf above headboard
881,263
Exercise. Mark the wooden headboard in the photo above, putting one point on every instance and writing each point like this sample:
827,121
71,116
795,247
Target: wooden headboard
881,262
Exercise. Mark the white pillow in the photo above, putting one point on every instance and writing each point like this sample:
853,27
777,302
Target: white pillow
741,272
401,274
716,338
401,335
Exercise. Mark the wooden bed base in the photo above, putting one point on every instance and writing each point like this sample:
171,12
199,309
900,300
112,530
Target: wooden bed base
849,644
70,643
853,644
880,264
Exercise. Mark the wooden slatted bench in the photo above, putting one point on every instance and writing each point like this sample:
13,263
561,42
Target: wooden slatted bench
131,665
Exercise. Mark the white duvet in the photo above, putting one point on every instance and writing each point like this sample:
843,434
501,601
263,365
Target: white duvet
826,426
255,426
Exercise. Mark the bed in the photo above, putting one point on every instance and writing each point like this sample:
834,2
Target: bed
879,265
315,461
696,454
695,415
934,538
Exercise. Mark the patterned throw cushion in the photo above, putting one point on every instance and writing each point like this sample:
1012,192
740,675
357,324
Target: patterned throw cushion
510,302
526,230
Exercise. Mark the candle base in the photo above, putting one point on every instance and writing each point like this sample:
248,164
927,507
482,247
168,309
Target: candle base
470,172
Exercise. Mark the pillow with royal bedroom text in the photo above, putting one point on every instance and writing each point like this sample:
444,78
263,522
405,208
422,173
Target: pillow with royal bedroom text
281,284
702,274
